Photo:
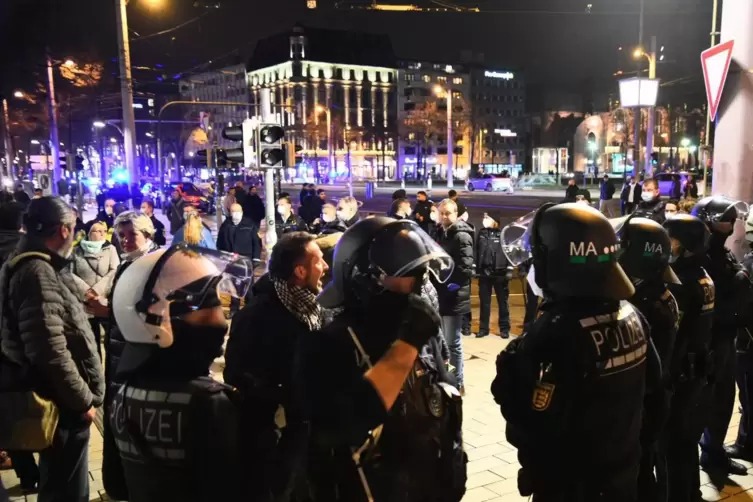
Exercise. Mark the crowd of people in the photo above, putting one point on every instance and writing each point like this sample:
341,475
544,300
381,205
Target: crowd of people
629,359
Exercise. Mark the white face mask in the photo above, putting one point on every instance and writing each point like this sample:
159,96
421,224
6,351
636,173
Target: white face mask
488,223
647,196
408,212
328,218
532,282
283,210
433,216
343,215
108,210
237,217
138,253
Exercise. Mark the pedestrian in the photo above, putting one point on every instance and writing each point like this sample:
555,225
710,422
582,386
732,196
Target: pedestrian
285,220
347,211
194,232
675,189
422,211
671,209
21,196
606,192
734,296
93,265
567,386
494,273
690,190
434,223
63,191
136,196
311,208
397,195
462,211
171,338
135,233
571,191
646,249
362,370
106,216
689,374
259,363
253,206
38,193
240,235
175,212
147,208
48,334
80,228
402,209
456,238
228,201
651,206
328,222
630,196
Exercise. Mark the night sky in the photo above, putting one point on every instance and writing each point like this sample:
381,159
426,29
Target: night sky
555,41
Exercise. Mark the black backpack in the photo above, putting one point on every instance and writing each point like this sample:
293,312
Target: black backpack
417,454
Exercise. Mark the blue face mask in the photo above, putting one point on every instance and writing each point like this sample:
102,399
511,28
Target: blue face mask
92,247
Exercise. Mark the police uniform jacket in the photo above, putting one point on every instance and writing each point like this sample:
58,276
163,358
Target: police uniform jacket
733,290
575,383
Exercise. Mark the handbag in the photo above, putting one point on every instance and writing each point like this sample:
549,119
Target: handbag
27,420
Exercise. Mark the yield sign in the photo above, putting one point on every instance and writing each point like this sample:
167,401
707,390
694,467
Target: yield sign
715,62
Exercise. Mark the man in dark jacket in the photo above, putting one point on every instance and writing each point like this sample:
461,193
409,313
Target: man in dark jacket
606,192
147,207
422,211
240,235
493,273
106,216
259,362
21,196
571,191
45,330
630,196
675,190
285,220
253,206
456,238
174,211
651,206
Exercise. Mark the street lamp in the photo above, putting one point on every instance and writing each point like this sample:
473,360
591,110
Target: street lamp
439,91
98,124
19,95
69,63
685,142
637,54
126,91
35,142
322,109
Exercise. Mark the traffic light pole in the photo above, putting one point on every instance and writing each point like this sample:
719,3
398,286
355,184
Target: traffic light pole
270,237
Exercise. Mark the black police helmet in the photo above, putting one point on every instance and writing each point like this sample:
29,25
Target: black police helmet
645,251
718,212
574,251
692,233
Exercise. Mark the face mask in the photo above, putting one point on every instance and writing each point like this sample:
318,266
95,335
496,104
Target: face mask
328,218
488,223
237,217
282,210
408,212
92,247
130,256
108,211
647,196
433,217
669,216
342,215
532,282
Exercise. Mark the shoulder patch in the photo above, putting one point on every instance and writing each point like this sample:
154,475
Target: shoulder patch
542,396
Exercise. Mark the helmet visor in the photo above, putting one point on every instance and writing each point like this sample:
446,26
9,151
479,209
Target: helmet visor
434,259
514,239
194,278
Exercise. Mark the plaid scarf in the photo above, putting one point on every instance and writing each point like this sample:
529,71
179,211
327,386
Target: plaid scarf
301,303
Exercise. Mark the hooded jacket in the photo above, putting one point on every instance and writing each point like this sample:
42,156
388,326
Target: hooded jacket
455,293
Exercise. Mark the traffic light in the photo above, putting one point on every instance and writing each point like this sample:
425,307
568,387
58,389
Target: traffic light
202,155
79,163
271,153
245,134
654,158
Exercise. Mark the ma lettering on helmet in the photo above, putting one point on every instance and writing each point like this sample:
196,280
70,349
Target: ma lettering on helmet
382,247
168,284
646,250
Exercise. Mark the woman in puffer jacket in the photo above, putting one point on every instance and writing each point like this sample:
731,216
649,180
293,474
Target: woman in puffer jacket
93,265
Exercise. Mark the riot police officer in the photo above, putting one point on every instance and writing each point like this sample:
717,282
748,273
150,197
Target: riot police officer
733,298
645,250
690,363
177,429
575,382
384,412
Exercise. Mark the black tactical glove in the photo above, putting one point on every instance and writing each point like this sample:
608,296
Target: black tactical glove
420,322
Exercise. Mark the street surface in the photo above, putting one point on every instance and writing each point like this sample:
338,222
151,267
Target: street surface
493,465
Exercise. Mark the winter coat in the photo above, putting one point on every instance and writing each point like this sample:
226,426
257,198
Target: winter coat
570,192
242,238
93,271
455,293
625,194
606,191
159,231
422,214
294,223
49,331
490,260
675,190
332,227
310,209
253,207
175,216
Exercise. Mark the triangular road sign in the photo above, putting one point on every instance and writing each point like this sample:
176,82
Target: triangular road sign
715,62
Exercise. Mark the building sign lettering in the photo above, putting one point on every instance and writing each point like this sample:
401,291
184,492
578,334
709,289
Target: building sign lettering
506,75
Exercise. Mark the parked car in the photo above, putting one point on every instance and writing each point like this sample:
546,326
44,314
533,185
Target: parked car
191,194
491,183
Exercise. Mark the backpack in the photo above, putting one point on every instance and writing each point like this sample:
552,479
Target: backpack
418,452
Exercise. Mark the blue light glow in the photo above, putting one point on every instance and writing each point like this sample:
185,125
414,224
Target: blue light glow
119,175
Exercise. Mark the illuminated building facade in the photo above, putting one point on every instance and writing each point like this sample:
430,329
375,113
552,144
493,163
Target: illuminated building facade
335,93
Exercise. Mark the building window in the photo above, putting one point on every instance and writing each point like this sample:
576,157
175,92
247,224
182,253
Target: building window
409,77
426,78
457,80
442,80
409,106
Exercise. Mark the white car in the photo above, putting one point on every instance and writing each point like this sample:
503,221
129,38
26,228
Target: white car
491,183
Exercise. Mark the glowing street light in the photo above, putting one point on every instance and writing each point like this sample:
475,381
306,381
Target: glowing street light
19,95
113,140
99,124
35,142
153,4
685,142
69,63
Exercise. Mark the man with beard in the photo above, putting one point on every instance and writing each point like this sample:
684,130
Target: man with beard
259,362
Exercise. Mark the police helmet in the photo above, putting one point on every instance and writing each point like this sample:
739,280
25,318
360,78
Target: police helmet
383,246
718,212
645,250
574,250
168,284
691,234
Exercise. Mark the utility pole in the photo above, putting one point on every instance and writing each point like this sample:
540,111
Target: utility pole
126,91
638,118
450,138
651,111
707,136
53,112
270,237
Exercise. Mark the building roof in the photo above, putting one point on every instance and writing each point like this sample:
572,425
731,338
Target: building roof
326,45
